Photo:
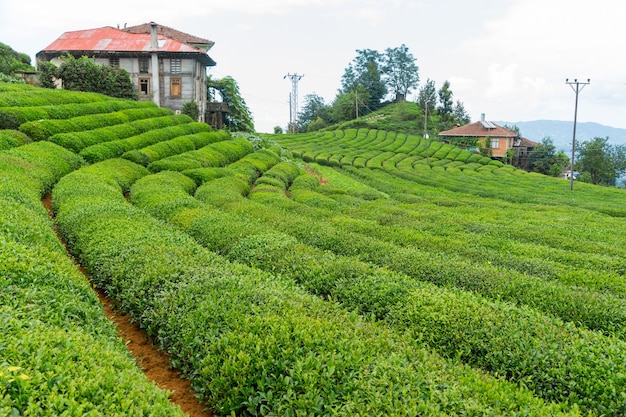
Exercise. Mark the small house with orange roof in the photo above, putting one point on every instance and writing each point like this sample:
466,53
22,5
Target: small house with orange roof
492,136
166,66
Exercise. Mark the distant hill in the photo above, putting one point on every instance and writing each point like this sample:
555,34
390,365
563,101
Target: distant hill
561,132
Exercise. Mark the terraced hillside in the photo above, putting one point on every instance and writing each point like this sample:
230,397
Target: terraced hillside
352,272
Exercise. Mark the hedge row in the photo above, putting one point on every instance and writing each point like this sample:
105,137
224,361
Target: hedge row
214,155
254,343
557,361
59,354
116,148
175,146
12,138
20,95
44,129
13,117
77,141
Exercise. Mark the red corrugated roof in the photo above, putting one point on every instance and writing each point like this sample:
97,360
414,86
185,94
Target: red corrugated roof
115,40
478,130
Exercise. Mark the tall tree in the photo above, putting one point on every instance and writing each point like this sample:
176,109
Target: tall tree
314,110
400,70
446,106
427,95
364,70
460,115
603,161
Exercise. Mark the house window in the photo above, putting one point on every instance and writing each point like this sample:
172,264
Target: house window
176,87
176,66
495,143
114,62
144,65
144,86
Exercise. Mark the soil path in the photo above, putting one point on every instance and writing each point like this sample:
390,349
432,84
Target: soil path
153,361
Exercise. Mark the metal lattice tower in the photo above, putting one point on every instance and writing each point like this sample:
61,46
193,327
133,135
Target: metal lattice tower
293,101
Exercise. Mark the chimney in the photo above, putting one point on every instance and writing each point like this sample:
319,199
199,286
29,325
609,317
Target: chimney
154,39
482,117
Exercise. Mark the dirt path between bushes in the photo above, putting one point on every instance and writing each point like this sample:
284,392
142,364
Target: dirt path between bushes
153,361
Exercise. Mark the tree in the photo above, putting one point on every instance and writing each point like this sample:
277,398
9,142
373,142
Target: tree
446,107
400,70
364,71
314,109
47,73
545,160
82,74
427,96
12,61
239,119
603,161
459,113
346,105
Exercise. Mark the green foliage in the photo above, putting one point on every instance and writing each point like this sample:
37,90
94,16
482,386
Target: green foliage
82,74
12,61
545,160
47,73
239,119
46,128
13,117
77,141
190,108
400,70
12,138
116,148
604,162
60,355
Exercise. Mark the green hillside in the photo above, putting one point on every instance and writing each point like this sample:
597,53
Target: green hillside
352,271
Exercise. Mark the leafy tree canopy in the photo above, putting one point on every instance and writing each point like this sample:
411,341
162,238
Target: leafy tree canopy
314,110
602,161
239,119
364,71
544,158
12,61
400,70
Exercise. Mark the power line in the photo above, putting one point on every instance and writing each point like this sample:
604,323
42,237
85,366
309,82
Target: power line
293,100
579,86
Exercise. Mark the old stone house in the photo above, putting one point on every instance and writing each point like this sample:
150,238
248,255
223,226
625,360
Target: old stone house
166,66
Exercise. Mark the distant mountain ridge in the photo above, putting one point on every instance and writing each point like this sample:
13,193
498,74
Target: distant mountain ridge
561,132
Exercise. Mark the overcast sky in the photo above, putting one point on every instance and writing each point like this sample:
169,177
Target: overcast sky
506,58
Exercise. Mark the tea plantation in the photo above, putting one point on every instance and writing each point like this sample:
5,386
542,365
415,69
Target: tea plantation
344,273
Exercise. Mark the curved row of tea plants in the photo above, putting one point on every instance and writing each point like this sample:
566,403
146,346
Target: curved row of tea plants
59,355
176,146
77,141
213,155
44,129
12,138
557,361
19,95
13,117
442,222
252,342
116,148
322,228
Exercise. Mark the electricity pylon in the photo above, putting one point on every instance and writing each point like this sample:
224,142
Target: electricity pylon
293,101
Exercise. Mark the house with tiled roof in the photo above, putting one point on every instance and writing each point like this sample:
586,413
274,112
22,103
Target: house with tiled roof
492,136
165,65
